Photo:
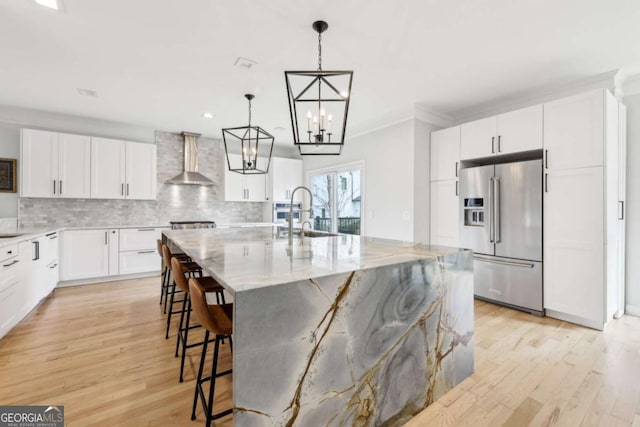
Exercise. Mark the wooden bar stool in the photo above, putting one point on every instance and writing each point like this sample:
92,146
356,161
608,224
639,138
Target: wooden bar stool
210,285
191,269
216,319
166,273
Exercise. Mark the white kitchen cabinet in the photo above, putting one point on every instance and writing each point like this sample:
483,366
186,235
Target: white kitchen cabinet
519,130
85,254
574,243
583,210
444,213
141,171
445,154
574,131
478,138
11,299
283,177
123,170
55,164
114,252
243,188
138,250
47,254
512,132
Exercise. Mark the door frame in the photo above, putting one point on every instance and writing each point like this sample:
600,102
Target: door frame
340,168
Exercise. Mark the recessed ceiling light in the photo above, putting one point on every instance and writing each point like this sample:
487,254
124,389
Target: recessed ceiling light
244,62
51,4
88,92
207,115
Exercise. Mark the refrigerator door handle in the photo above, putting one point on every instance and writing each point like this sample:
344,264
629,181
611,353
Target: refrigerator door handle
496,210
490,206
501,262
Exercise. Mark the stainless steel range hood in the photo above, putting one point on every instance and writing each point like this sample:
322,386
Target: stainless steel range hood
190,176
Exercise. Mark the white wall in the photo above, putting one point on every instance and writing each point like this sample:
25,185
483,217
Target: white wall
421,164
633,204
388,156
9,149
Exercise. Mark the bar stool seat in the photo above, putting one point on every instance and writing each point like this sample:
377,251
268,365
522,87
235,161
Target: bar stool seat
209,284
217,320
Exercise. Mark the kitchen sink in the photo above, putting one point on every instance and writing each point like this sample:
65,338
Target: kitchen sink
318,234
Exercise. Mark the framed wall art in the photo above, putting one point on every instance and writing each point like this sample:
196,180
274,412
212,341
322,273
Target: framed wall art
8,176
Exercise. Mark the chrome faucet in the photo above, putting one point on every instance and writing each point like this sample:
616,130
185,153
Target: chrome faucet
302,229
310,210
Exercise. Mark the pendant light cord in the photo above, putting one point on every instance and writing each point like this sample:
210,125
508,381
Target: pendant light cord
319,51
249,113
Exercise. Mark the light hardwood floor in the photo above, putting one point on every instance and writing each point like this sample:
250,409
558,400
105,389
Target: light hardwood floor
100,351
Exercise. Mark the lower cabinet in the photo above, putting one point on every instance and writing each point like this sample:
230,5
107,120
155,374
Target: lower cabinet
85,254
93,254
574,250
11,298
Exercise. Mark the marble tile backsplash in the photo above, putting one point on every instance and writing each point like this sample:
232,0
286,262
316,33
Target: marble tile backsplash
174,202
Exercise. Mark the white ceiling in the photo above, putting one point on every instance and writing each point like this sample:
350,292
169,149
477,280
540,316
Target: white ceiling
162,63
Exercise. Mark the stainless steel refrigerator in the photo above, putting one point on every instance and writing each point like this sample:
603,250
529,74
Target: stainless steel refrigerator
501,221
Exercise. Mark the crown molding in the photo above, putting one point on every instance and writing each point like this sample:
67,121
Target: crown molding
610,80
631,85
392,118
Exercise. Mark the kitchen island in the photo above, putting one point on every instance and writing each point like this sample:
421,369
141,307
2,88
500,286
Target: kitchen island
339,330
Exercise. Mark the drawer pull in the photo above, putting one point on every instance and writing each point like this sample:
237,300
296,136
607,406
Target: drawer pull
15,261
147,252
146,229
53,266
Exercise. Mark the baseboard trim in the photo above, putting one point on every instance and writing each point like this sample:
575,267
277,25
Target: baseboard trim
575,319
633,310
96,280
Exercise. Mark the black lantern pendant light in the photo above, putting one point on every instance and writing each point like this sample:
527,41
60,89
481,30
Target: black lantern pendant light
319,104
254,142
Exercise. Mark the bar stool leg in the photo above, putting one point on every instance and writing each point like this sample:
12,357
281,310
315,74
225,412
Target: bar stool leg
199,379
164,273
212,386
173,292
166,290
181,324
185,339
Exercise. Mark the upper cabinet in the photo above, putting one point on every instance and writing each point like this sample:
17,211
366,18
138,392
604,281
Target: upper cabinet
283,177
574,131
507,133
55,164
445,154
243,188
140,171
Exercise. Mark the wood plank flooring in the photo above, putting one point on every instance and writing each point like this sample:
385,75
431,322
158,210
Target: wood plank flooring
100,351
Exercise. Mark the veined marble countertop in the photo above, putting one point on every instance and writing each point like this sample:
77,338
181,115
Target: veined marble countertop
252,258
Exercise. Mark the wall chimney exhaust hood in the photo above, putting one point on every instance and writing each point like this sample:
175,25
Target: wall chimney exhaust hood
190,176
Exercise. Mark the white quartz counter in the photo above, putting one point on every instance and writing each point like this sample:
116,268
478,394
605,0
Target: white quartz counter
251,258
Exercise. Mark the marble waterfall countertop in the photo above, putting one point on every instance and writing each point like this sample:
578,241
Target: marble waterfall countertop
251,258
341,330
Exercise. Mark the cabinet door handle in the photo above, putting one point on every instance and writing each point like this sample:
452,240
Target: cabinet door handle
60,187
15,261
499,139
106,236
53,266
54,186
122,189
456,188
493,144
248,194
456,169
621,210
127,188
546,179
546,159
37,248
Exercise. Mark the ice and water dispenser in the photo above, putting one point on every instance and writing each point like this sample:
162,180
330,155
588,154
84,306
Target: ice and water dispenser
474,212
